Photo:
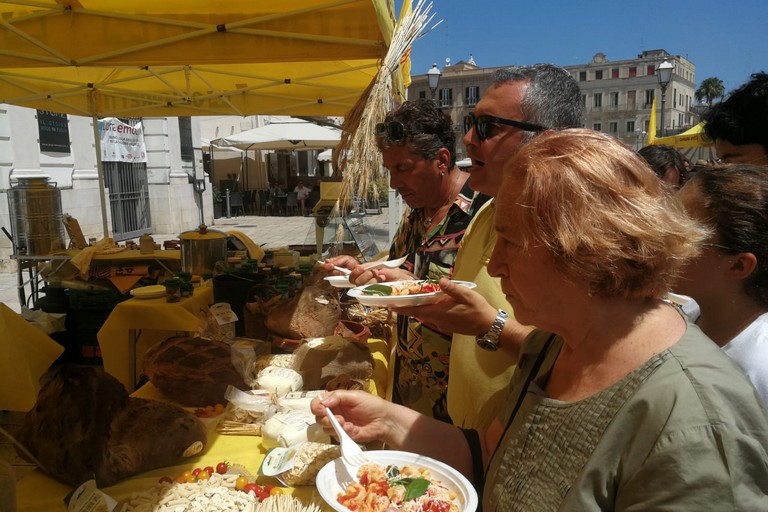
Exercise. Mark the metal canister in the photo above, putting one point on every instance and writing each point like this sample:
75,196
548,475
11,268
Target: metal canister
36,218
201,249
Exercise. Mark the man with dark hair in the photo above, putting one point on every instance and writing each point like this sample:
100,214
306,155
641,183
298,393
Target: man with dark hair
418,147
738,125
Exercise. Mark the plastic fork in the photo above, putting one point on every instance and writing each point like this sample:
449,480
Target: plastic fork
351,453
343,270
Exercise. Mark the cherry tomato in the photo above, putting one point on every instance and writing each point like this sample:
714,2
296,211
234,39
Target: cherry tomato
240,483
185,477
208,469
262,496
252,487
274,491
165,479
203,475
196,471
268,488
221,468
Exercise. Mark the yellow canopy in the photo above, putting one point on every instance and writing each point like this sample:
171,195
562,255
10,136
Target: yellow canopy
692,138
154,58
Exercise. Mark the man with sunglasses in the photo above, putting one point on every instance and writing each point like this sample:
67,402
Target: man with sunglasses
520,103
418,146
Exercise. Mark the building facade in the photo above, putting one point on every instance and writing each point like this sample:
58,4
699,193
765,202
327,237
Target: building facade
617,95
167,193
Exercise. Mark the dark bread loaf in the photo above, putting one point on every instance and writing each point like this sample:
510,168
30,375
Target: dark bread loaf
147,434
194,372
68,428
312,313
85,426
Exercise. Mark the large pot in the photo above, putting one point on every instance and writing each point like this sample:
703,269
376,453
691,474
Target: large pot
201,249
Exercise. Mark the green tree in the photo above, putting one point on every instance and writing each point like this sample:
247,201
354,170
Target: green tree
710,89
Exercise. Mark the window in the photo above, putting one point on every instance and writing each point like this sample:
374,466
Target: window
446,97
597,100
632,71
613,99
53,132
674,97
615,73
584,100
649,93
597,126
582,76
599,74
472,95
631,95
651,70
185,134
422,95
613,128
646,125
630,126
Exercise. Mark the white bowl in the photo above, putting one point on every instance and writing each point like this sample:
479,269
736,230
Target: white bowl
333,476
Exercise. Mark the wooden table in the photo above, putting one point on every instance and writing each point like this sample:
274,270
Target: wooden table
152,320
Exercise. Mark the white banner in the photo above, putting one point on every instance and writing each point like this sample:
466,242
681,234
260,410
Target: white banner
121,142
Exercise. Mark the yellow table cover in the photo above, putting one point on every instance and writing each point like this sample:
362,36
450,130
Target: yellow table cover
27,353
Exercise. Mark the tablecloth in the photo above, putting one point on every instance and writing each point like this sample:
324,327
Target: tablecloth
156,319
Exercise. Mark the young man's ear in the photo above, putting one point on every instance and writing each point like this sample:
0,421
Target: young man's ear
742,265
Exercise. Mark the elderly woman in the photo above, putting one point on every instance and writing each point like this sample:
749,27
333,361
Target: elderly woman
617,403
729,279
418,147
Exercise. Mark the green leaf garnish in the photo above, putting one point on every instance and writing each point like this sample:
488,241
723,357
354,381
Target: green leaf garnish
414,487
377,289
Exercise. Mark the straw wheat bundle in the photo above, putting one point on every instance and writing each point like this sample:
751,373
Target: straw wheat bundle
356,156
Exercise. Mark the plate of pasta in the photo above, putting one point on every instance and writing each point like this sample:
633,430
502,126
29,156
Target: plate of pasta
401,293
395,480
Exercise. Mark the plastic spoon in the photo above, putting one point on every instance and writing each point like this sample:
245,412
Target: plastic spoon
388,264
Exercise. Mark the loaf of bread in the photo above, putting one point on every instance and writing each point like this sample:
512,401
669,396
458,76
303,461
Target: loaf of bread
85,425
310,314
193,372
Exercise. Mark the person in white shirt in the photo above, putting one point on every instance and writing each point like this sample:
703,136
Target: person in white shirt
728,281
302,193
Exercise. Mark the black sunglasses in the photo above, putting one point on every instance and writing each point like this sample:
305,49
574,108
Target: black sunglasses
482,124
393,130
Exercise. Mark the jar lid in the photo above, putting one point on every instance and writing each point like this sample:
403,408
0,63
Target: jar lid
203,233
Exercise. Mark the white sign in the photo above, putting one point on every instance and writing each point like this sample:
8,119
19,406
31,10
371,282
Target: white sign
121,142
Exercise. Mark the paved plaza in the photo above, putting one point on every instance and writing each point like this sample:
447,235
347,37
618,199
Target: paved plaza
265,231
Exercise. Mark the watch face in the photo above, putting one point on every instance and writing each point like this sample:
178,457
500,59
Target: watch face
487,344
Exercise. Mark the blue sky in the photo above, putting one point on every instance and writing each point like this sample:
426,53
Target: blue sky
727,39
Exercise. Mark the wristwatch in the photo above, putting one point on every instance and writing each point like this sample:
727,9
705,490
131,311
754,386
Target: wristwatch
490,340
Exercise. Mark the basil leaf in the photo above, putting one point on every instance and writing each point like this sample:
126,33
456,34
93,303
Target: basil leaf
377,289
416,488
392,472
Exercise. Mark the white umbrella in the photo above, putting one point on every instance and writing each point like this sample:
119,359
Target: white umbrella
293,134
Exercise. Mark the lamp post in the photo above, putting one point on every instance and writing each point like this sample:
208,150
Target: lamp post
433,78
664,74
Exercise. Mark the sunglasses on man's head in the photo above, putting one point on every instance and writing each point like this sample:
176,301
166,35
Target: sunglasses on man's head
482,124
393,130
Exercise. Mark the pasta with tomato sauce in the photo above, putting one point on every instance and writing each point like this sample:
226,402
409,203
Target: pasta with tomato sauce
409,488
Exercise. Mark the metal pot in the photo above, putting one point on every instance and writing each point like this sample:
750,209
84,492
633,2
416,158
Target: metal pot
201,249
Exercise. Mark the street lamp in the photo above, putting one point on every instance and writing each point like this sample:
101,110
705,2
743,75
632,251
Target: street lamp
664,74
433,78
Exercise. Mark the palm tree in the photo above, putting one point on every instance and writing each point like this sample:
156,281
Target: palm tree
710,89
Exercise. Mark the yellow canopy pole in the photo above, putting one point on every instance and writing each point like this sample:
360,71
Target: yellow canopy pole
99,164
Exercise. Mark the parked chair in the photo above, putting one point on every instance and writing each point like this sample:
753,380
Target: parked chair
263,202
291,204
248,202
236,203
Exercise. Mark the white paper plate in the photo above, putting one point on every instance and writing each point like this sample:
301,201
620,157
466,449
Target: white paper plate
391,301
340,281
149,292
331,478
